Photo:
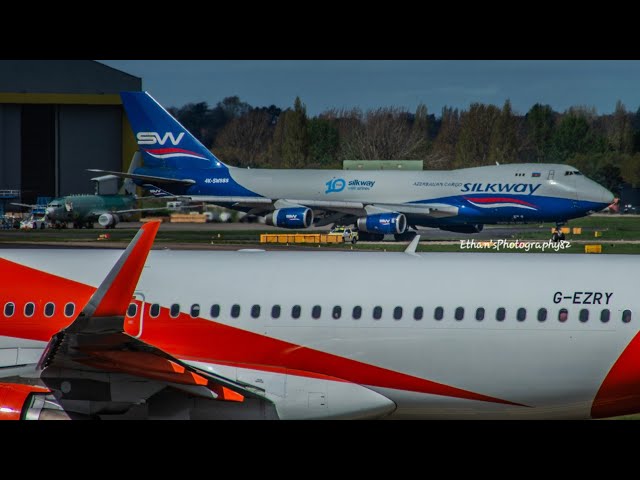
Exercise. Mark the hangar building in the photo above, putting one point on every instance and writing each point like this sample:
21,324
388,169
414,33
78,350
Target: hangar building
58,118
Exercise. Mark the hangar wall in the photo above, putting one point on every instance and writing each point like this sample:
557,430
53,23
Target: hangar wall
89,137
9,146
58,118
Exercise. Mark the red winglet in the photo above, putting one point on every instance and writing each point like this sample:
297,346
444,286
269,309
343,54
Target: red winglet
114,294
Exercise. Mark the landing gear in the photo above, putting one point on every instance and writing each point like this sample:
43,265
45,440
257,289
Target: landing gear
406,236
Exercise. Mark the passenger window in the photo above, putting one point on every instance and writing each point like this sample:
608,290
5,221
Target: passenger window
316,311
49,309
480,314
584,315
235,310
69,309
9,309
563,315
521,314
132,310
418,312
337,312
438,313
397,313
154,310
275,311
357,312
500,314
542,314
604,315
195,310
174,310
215,310
295,311
626,316
377,313
255,311
459,313
29,309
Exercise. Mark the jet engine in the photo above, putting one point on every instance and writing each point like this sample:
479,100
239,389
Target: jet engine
299,217
29,402
383,223
108,220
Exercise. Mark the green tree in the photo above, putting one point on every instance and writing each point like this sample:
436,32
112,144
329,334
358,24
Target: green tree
245,141
539,124
608,175
630,169
421,130
295,140
503,147
620,134
444,145
476,126
196,117
233,107
324,142
573,135
385,134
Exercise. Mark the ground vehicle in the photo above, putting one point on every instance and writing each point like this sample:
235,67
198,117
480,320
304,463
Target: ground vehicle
348,234
33,223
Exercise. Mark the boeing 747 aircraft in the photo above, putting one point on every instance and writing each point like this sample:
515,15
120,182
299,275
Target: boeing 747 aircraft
278,335
378,202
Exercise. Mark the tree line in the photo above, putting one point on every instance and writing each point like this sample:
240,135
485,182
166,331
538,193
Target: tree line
604,147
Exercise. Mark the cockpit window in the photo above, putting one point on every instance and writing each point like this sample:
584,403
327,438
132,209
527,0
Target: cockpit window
572,172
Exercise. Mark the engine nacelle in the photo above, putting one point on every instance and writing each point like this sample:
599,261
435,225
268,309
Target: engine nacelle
383,223
299,217
108,219
29,402
463,228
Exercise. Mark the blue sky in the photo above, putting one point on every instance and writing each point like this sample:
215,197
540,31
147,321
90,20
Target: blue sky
323,84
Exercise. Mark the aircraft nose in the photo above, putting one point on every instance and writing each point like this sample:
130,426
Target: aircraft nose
607,196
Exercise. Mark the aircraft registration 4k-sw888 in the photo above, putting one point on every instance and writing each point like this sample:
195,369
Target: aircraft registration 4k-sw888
312,335
378,202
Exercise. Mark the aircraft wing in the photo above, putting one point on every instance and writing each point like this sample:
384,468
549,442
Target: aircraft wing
333,210
26,205
97,213
428,210
146,178
93,367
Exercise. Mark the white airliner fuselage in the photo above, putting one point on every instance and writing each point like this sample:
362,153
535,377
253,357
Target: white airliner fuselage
359,335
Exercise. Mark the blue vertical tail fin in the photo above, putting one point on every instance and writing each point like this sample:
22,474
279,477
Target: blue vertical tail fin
163,141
